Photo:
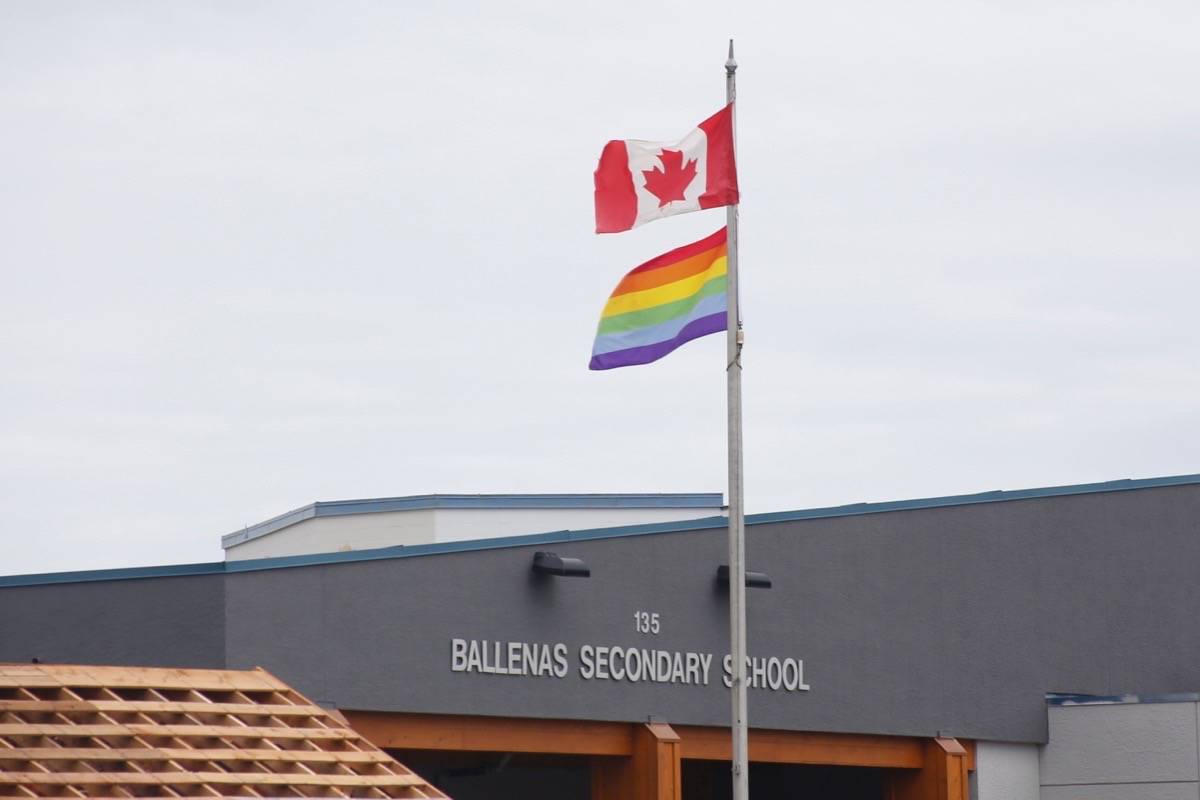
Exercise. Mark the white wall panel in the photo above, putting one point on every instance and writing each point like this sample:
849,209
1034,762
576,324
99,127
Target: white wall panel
1006,771
1121,743
1123,791
332,534
1122,751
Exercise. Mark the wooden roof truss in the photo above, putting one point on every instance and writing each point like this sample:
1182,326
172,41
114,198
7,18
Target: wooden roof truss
133,732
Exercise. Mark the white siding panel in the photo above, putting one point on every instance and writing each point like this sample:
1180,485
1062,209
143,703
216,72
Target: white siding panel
1129,743
1123,791
1006,771
332,534
465,524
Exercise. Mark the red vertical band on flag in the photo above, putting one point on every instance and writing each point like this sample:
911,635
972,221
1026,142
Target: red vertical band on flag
721,186
616,200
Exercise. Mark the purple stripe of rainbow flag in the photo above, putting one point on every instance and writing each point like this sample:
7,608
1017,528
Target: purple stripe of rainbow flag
658,306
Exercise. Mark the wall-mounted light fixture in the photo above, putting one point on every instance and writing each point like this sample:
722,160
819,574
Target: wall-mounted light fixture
553,564
756,580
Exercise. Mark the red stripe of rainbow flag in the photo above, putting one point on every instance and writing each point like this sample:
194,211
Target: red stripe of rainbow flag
660,305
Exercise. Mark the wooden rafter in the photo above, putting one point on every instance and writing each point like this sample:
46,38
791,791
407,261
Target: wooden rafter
85,731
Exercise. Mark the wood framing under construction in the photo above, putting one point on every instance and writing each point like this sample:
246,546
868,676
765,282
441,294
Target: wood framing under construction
84,731
642,760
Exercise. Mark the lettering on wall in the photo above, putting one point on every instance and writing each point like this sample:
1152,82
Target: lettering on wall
508,658
594,662
619,663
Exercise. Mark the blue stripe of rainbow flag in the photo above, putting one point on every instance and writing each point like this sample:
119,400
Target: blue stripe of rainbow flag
660,305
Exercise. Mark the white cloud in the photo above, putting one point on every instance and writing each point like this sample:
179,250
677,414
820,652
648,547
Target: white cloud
270,253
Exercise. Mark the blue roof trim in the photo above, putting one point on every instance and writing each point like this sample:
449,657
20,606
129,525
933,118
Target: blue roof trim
1065,699
998,496
121,574
852,510
705,523
338,508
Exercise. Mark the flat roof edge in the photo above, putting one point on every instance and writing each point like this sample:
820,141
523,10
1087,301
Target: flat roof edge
471,545
1067,700
996,496
704,523
378,505
269,526
117,574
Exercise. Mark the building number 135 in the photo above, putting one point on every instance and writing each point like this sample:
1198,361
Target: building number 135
645,622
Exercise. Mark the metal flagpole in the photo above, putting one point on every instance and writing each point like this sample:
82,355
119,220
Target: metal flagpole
737,529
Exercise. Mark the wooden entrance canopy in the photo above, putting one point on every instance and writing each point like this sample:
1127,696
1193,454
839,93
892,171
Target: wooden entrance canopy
642,761
85,731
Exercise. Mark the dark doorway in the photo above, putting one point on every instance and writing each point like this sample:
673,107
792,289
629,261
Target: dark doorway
710,780
487,776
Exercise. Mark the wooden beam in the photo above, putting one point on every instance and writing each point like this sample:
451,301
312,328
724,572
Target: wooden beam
181,754
798,747
492,734
204,778
243,733
150,729
60,675
657,751
156,707
943,776
580,737
653,772
969,744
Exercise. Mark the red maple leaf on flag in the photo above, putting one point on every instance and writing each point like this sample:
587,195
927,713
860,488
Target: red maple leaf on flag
672,180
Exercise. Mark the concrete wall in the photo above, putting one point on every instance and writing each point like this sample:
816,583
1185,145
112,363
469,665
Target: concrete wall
1128,751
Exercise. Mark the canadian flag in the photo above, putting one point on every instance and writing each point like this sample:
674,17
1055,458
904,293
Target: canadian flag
639,181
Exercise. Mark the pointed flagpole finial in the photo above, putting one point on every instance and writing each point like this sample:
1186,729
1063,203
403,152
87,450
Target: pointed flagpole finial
730,63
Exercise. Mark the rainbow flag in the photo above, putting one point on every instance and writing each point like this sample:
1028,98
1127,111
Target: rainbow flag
665,302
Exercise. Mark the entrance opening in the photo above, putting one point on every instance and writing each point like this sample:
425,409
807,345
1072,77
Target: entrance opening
486,776
710,780
465,775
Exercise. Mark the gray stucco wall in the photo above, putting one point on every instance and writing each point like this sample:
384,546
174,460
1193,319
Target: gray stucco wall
160,622
953,619
1123,751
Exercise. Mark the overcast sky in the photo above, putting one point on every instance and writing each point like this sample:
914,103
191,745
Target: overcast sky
260,254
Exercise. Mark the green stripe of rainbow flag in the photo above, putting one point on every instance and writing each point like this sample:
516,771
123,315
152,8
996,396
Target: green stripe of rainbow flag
658,306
